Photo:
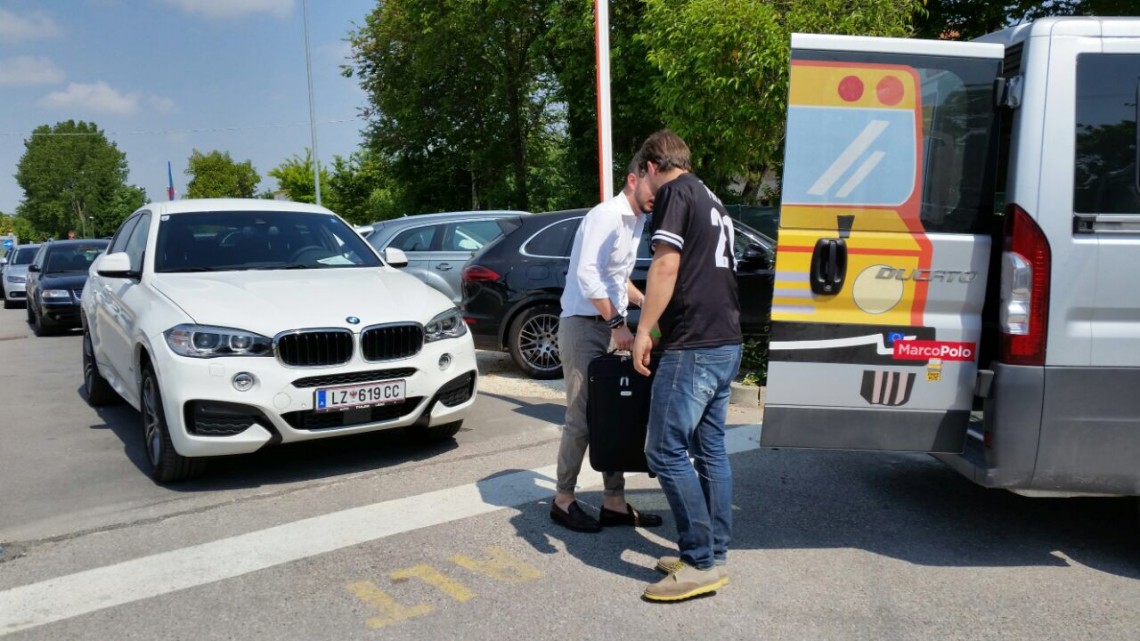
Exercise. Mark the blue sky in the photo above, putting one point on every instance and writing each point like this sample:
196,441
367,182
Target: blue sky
165,77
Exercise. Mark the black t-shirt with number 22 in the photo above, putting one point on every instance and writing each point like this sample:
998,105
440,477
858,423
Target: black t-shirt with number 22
704,310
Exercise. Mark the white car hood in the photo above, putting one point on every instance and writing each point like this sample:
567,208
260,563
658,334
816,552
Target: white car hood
271,301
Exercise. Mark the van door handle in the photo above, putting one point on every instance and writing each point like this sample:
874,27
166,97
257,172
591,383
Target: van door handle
828,266
443,267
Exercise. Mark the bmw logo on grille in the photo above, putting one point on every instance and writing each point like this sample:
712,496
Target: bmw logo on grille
353,320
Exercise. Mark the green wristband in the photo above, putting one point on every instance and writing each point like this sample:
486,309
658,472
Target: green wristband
654,333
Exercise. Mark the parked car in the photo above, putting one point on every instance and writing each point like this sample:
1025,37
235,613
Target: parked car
56,279
438,245
511,289
14,274
235,324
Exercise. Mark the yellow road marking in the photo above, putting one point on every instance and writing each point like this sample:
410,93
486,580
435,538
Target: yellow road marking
501,566
435,579
391,611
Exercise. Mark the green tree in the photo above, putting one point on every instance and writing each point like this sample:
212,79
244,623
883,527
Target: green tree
724,72
71,176
216,175
458,90
295,178
969,19
126,200
571,51
362,189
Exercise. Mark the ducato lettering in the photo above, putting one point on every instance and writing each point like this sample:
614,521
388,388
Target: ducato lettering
927,350
926,275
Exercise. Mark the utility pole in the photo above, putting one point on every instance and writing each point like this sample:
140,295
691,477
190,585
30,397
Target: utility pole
312,105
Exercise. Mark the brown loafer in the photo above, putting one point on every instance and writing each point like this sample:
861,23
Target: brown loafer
630,517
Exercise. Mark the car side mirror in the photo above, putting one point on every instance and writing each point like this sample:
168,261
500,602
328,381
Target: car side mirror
756,256
33,267
117,265
395,257
3,260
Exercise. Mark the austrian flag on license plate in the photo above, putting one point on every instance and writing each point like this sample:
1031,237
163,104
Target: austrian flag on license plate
366,395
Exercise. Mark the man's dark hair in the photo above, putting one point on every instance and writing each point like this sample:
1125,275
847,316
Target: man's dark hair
666,150
635,165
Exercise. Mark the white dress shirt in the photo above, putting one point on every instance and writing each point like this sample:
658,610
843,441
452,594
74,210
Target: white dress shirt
605,250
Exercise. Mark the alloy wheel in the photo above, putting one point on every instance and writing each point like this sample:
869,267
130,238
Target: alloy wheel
538,342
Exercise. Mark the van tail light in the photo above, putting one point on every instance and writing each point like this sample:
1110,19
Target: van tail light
479,274
1025,272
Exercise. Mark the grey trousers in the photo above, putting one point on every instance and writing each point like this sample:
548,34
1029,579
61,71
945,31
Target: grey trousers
580,340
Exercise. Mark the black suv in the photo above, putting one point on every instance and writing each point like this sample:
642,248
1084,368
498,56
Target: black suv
55,283
512,287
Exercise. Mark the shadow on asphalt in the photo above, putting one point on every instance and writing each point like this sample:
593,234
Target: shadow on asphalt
902,506
599,550
913,508
290,463
550,412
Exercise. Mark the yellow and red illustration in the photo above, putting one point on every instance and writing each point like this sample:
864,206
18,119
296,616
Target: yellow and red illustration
853,171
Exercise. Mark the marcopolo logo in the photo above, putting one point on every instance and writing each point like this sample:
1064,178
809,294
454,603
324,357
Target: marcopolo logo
926,350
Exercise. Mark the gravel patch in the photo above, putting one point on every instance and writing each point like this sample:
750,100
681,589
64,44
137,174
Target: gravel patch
498,374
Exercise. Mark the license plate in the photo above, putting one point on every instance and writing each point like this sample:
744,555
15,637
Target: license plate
327,399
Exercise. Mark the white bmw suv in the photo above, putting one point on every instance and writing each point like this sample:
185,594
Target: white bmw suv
234,324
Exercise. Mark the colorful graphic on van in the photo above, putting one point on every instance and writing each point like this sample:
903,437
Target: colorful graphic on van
853,171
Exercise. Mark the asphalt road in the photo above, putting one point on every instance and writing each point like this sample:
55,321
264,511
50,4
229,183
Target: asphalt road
370,537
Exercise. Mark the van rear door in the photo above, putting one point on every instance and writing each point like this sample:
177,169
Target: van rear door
884,245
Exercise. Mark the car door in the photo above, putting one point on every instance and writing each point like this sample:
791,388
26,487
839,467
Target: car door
458,244
118,304
419,244
32,280
754,271
881,261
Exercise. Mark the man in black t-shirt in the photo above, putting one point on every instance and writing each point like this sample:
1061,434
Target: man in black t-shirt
691,299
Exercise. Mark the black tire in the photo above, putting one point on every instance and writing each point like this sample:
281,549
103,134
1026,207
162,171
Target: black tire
166,464
28,312
434,434
98,391
533,342
8,303
42,326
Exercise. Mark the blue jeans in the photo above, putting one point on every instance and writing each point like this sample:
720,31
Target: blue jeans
691,389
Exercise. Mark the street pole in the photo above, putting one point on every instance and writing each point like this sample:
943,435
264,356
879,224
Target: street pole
602,53
312,105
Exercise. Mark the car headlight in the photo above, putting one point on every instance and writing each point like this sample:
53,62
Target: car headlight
17,279
204,341
56,294
449,324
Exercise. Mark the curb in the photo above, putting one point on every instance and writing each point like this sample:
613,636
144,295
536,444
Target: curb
746,395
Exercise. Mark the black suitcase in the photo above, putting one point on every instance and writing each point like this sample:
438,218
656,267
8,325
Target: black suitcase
617,414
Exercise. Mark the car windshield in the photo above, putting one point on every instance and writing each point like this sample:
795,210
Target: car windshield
23,256
234,241
71,258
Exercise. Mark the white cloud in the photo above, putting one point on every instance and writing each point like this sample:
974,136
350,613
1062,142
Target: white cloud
98,97
29,70
15,28
221,9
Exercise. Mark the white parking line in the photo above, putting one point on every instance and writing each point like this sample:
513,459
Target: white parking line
73,595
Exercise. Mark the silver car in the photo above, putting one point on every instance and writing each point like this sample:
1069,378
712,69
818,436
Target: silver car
14,273
438,245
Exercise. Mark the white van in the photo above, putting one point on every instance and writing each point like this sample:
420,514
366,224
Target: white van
954,272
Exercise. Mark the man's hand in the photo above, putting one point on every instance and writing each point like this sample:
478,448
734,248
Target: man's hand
623,339
642,345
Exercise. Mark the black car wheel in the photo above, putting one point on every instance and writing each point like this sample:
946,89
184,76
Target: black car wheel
8,302
42,326
533,342
166,464
99,391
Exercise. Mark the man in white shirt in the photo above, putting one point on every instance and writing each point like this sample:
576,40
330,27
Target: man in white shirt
595,302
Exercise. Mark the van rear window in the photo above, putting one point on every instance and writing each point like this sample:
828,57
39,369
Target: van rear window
1107,180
